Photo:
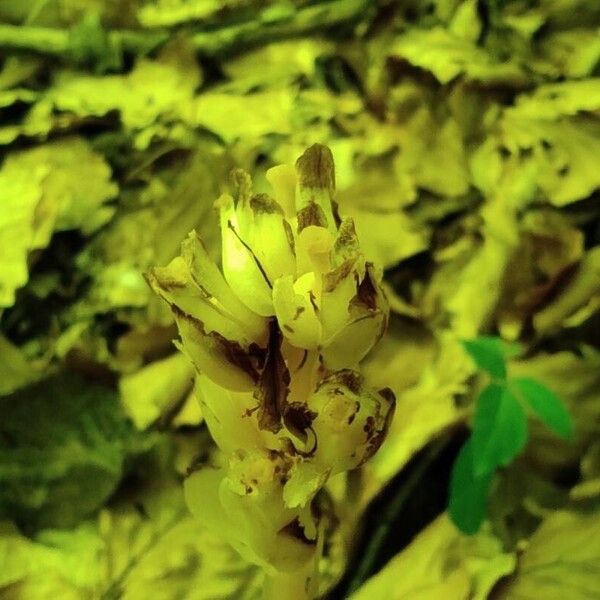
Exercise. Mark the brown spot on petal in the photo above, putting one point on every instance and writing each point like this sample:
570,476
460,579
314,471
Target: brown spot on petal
368,290
351,379
233,352
289,234
388,394
377,434
299,311
315,168
161,279
298,419
347,240
263,203
311,214
242,185
335,209
333,278
344,378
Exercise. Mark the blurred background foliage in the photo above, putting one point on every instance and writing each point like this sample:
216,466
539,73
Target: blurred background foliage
466,138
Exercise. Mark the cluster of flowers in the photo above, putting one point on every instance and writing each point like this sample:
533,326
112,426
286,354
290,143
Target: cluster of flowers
276,339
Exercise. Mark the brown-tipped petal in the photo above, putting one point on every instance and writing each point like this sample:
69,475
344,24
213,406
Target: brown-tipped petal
175,285
223,360
367,320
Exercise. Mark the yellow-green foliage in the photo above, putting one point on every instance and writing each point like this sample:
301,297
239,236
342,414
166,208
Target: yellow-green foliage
466,137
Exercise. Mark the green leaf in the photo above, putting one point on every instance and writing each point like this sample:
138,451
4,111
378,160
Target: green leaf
562,150
488,354
90,45
441,563
41,192
63,443
145,545
468,493
447,56
499,429
546,405
560,561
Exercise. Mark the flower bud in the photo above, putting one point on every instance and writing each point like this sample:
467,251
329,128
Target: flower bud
366,320
350,420
242,270
219,334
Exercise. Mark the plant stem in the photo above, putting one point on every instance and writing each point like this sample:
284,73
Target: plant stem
215,40
41,40
257,31
297,585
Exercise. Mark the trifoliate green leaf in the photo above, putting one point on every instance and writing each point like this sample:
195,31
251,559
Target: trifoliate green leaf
499,429
546,405
488,354
468,492
574,377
